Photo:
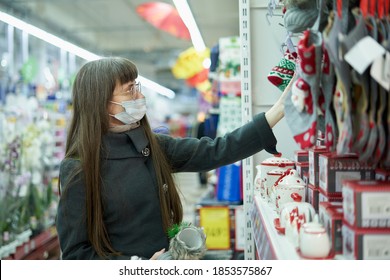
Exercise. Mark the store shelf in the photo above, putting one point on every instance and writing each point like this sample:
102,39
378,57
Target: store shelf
270,245
43,246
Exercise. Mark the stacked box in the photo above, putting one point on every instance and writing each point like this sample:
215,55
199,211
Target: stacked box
333,169
313,164
329,197
382,174
366,219
301,156
366,244
302,167
313,194
331,216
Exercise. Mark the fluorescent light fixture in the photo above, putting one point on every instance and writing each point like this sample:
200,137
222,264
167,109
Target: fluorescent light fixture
156,87
71,48
188,19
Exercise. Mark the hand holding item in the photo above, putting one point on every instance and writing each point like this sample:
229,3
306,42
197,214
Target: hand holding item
276,112
157,254
187,243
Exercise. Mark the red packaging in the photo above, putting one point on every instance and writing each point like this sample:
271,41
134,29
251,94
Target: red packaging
365,244
313,164
301,156
305,178
366,204
329,197
302,167
313,196
331,216
382,174
334,168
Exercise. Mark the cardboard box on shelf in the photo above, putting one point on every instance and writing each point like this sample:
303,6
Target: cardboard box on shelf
331,216
366,204
382,174
302,167
333,169
313,164
301,156
365,244
313,194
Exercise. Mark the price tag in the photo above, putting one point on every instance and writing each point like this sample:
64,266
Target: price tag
380,71
216,224
364,53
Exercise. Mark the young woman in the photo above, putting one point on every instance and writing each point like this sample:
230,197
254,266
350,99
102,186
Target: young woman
118,195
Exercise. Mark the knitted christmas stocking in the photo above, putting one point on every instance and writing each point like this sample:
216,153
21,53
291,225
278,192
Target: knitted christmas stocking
360,89
386,162
341,98
328,80
368,150
368,154
301,103
301,15
281,74
381,144
380,152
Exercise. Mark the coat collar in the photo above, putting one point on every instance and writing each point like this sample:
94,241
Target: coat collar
126,144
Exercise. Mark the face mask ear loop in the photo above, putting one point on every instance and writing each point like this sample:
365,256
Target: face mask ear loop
117,103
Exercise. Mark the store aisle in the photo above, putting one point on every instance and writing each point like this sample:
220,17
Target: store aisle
192,192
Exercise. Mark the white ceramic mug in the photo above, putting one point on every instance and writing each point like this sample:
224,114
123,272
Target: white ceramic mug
314,241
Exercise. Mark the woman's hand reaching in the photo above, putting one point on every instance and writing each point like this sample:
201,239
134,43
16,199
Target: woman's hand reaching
276,112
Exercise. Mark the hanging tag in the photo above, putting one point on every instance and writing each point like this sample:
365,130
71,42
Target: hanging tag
363,54
380,71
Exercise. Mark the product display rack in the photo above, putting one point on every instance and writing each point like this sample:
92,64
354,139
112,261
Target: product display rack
258,95
269,243
40,247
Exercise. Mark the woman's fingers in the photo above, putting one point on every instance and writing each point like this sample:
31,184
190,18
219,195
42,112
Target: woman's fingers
157,254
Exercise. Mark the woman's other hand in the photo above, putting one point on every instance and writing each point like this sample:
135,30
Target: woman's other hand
157,254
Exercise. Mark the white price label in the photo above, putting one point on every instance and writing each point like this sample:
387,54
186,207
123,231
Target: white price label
364,53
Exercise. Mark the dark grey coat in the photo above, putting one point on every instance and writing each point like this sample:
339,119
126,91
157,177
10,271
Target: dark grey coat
130,192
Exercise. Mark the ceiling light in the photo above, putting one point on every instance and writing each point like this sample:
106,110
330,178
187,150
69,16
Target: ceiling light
186,15
71,48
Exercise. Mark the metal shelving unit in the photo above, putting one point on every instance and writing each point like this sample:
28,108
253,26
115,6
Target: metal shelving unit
261,38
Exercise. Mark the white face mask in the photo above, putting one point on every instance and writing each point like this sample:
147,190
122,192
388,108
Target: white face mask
135,110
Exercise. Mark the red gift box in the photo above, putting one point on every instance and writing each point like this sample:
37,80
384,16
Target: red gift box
302,167
382,174
313,164
365,244
331,216
324,196
301,156
313,196
366,204
334,168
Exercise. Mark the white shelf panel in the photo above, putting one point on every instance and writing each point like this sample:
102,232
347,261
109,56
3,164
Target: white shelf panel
269,243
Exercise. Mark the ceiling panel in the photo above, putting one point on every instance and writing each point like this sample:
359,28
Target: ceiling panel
113,26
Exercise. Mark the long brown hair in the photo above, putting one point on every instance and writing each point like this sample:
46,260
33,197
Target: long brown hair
92,90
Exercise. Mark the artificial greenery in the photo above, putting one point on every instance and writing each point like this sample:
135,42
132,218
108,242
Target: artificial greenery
175,228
